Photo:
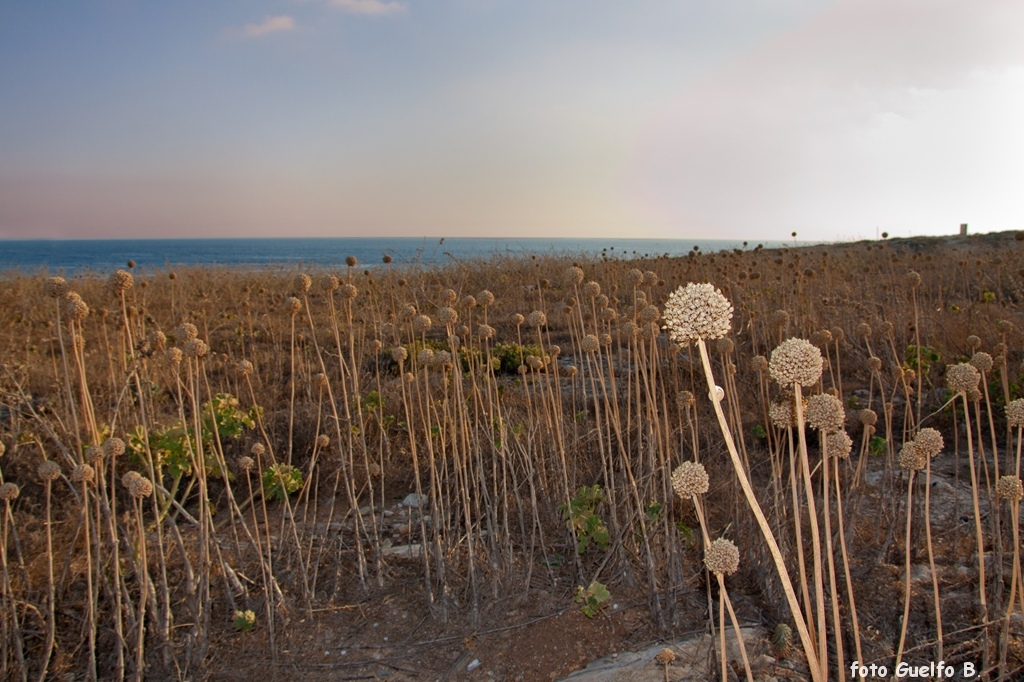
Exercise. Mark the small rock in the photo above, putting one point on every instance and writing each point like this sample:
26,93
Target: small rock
473,665
414,500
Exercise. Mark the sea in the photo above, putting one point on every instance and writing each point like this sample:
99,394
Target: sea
76,256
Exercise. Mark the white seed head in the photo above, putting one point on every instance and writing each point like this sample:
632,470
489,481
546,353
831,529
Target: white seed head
722,557
929,441
838,444
825,413
962,377
689,479
1009,488
1015,412
796,361
49,470
697,311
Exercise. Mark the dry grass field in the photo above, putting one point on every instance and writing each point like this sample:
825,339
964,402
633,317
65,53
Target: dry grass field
387,471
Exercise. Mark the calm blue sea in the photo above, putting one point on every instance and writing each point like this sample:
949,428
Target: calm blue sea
78,255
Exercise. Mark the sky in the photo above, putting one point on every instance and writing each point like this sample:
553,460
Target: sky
691,119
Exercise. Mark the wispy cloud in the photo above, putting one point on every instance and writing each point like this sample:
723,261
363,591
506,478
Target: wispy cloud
269,25
371,7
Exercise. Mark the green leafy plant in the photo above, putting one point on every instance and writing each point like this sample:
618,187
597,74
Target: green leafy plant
929,357
281,480
593,598
581,517
245,621
758,431
878,446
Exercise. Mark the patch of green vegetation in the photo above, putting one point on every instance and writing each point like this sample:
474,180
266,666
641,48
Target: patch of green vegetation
587,524
593,598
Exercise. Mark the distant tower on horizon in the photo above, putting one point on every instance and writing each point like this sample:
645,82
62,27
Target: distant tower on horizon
963,229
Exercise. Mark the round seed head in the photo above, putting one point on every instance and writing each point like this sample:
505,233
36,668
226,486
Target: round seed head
49,470
867,417
911,458
409,311
781,411
56,287
330,283
690,479
399,354
863,330
982,361
650,278
724,345
351,261
74,307
257,449
606,339
113,447
409,377
9,492
425,356
609,314
1015,412
962,377
186,331
303,283
468,302
779,318
83,473
929,442
570,371
537,319
517,319
874,364
825,413
913,279
758,363
447,315
443,360
796,361
591,289
485,298
685,400
522,369
572,276
650,314
245,463
455,341
973,342
838,444
174,356
140,487
157,340
321,381
665,657
635,277
1004,326
322,441
245,368
292,305
485,331
1009,488
195,348
449,296
120,282
822,337
886,327
722,557
697,311
349,291
590,344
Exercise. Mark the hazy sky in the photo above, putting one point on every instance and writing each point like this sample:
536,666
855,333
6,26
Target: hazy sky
647,118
